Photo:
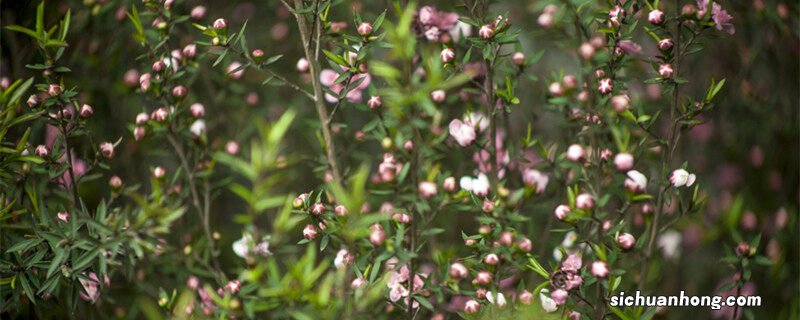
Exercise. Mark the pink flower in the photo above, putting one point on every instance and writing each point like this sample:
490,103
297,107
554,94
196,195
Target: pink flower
63,216
518,58
665,44
107,150
572,263
623,161
357,283
340,210
91,290
629,47
190,50
142,118
374,102
471,306
160,115
449,184
483,278
310,232
636,182
159,172
389,168
232,147
586,51
491,259
616,15
438,96
302,65
144,82
197,110
665,70
533,177
576,153
656,17
198,12
626,241
54,90
138,133
458,271
561,212
427,189
525,297
463,134
559,296
364,29
488,206
235,70
220,24
115,182
42,151
681,177
620,102
584,201
525,244
605,86
377,236
486,31
86,111
317,208
599,269
447,55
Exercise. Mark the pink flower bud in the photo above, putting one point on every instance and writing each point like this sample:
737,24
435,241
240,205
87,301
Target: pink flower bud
42,151
374,102
54,90
115,182
160,115
506,238
483,278
63,216
408,145
302,65
570,81
299,201
86,111
665,70
647,208
559,296
144,82
518,58
471,306
586,51
743,249
427,189
623,161
179,91
107,150
33,100
525,244
159,172
488,206
486,31
198,12
232,147
626,241
235,70
197,110
220,24
402,218
636,182
469,242
605,86
575,153
364,29
656,17
545,20
190,50
584,201
310,232
159,66
138,133
438,96
491,259
620,102
340,210
131,78
317,208
447,55
458,271
525,297
376,237
605,154
555,89
449,184
616,15
357,283
665,44
599,269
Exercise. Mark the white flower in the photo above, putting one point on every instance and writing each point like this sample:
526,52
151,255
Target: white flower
198,127
242,246
479,185
262,248
461,27
670,243
636,182
569,239
341,259
548,304
681,177
500,301
534,177
477,119
463,133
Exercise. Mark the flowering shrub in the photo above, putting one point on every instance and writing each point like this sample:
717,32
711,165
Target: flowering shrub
479,159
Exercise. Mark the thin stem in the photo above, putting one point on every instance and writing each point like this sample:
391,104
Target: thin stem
73,181
319,102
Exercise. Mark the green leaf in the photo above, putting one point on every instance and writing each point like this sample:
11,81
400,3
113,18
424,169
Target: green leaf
24,245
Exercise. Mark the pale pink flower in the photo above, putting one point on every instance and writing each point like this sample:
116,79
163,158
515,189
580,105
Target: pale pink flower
600,269
463,134
584,201
559,296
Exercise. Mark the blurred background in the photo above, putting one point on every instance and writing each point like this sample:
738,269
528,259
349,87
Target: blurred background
746,154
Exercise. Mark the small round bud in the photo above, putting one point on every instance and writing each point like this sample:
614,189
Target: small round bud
518,58
365,29
438,96
107,150
449,184
584,201
159,66
626,241
317,208
525,244
665,70
656,17
665,44
575,153
179,91
42,151
458,271
491,259
159,172
258,55
486,31
488,206
62,216
483,278
160,115
33,100
623,161
54,90
189,51
198,12
115,182
447,55
600,269
197,110
310,232
220,24
374,102
561,212
232,147
408,145
86,111
138,133
302,65
605,86
586,51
